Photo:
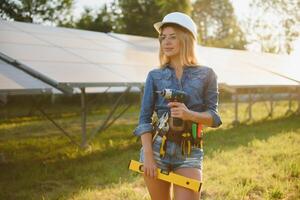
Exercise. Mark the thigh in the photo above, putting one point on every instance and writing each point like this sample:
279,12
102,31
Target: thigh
161,162
181,193
158,189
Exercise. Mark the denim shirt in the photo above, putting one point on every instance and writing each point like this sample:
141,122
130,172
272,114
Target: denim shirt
200,84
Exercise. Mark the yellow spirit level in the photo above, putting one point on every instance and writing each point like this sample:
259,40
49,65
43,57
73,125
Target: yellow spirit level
169,177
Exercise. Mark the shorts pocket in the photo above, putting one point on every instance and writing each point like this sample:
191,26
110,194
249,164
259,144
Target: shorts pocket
141,155
156,144
197,152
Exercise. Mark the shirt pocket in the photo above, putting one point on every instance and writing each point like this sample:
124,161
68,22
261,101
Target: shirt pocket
162,81
197,81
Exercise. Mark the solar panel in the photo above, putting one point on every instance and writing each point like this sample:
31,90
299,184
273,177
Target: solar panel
282,65
34,28
15,81
109,90
70,42
75,74
142,43
80,58
13,37
83,59
235,70
5,25
37,53
232,68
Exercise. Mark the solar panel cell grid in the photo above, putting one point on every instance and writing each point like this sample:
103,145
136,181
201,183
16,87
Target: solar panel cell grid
86,58
13,79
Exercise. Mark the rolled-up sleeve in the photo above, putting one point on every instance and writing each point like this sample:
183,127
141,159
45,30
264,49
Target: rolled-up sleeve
147,108
211,98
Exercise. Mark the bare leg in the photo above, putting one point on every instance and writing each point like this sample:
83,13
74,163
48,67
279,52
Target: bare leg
181,193
158,189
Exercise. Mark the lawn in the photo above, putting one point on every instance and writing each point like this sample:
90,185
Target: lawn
258,159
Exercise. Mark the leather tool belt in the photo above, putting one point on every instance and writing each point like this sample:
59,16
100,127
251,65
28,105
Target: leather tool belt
188,135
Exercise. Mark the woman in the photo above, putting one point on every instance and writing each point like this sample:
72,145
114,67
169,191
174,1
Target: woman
179,71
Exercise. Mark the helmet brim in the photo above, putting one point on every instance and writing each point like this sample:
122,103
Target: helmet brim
158,26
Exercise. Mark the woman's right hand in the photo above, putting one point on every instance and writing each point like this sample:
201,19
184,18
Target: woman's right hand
150,168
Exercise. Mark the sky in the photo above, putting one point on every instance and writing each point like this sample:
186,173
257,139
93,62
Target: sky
94,4
241,9
241,6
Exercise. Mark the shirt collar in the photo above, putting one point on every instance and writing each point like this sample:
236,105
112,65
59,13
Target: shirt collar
186,68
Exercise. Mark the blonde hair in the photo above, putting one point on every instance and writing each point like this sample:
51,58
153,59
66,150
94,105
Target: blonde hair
187,43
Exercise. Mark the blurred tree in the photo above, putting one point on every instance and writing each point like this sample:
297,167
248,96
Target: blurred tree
169,6
36,11
217,24
273,24
138,16
101,22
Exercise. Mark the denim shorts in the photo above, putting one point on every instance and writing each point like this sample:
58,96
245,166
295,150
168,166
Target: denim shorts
174,159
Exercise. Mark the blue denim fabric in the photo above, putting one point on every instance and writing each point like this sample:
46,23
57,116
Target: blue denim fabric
199,82
173,158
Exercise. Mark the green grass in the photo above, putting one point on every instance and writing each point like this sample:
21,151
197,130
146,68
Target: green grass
259,159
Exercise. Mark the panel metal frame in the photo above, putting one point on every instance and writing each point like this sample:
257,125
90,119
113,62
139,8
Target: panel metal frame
68,87
62,87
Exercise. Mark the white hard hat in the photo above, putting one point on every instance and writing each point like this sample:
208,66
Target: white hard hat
180,19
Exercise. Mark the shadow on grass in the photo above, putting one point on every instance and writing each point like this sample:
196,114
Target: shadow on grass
45,168
241,135
64,177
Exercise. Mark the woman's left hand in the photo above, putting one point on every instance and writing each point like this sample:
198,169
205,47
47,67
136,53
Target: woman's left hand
179,110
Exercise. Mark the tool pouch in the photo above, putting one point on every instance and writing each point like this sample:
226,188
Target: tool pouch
186,144
186,135
175,126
